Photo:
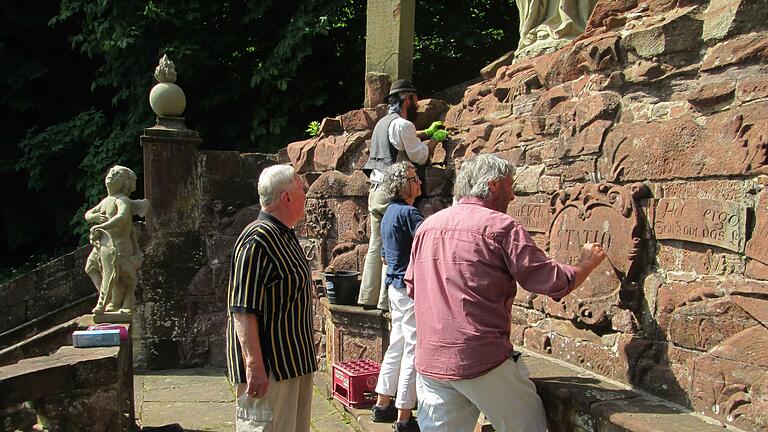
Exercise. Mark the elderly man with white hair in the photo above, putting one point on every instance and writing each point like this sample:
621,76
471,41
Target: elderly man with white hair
466,263
270,350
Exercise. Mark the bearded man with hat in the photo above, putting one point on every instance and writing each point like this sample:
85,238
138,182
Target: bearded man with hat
394,139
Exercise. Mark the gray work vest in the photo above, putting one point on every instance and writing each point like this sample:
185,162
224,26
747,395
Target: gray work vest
383,153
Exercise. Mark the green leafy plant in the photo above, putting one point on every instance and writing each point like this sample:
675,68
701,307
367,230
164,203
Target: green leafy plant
74,99
313,129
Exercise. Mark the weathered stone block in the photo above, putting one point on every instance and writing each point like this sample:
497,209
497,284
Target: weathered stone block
331,126
600,106
697,315
527,179
605,11
376,88
744,48
756,270
359,120
588,141
254,163
718,223
679,31
216,163
438,181
516,156
202,282
597,54
301,154
532,212
658,367
13,316
724,18
712,94
751,89
729,143
430,110
735,392
19,290
338,152
336,184
757,247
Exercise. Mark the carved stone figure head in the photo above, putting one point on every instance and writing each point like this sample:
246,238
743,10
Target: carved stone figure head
120,180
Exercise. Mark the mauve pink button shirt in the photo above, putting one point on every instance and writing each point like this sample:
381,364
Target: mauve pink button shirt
464,264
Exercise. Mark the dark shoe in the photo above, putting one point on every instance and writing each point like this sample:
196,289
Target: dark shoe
384,415
410,426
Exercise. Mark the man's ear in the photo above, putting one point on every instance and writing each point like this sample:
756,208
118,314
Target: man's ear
493,185
285,198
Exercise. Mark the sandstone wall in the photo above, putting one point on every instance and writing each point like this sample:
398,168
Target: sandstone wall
44,290
648,134
202,202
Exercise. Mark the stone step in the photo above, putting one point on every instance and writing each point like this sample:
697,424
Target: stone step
48,321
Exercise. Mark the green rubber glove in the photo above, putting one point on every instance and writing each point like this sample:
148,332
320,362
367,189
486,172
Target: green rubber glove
440,135
434,127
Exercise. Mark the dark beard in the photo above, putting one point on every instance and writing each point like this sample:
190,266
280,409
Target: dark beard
411,113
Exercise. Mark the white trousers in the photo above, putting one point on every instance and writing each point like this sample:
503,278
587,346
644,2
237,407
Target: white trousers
286,407
397,375
506,396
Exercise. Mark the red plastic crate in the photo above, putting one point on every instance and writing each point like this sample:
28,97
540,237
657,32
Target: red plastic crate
354,382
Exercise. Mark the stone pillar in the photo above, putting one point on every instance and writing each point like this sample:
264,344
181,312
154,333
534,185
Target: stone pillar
176,251
389,38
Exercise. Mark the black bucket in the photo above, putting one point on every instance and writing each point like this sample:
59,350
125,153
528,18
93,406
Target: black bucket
342,287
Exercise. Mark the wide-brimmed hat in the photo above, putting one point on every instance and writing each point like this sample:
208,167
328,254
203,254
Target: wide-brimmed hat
401,86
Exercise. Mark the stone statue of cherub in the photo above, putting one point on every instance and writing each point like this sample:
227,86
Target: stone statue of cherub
116,257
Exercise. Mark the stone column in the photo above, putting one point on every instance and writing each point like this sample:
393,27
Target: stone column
176,250
389,40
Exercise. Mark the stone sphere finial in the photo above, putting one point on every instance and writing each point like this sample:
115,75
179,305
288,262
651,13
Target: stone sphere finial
166,98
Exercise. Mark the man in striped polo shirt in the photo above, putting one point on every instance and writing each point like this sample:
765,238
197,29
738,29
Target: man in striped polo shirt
270,351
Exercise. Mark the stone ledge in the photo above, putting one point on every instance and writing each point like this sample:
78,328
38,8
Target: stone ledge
34,328
71,389
354,310
577,400
64,370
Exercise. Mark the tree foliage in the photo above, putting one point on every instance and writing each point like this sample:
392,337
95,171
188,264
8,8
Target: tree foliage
78,74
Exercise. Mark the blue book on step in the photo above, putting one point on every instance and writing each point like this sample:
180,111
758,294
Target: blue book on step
95,338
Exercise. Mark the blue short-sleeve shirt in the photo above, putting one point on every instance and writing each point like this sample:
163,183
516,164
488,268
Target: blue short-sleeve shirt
398,227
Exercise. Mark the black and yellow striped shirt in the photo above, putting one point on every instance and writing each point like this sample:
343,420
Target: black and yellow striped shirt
270,277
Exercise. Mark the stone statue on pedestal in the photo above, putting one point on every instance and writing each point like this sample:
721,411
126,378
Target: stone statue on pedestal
546,25
114,262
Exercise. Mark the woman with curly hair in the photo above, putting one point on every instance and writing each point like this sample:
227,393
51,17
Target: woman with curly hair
397,376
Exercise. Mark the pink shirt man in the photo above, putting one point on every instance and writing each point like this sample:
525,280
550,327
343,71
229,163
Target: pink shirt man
465,263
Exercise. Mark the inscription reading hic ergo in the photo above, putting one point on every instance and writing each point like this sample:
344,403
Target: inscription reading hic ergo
712,222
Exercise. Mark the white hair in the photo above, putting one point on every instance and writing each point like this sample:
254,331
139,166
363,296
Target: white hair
273,181
475,173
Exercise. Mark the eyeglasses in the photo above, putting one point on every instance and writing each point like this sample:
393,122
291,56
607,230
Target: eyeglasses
414,179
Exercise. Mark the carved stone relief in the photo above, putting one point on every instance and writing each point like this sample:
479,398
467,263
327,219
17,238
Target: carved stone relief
713,222
318,219
608,214
757,246
531,212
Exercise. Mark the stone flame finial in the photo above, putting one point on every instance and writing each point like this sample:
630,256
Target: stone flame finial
166,98
165,72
